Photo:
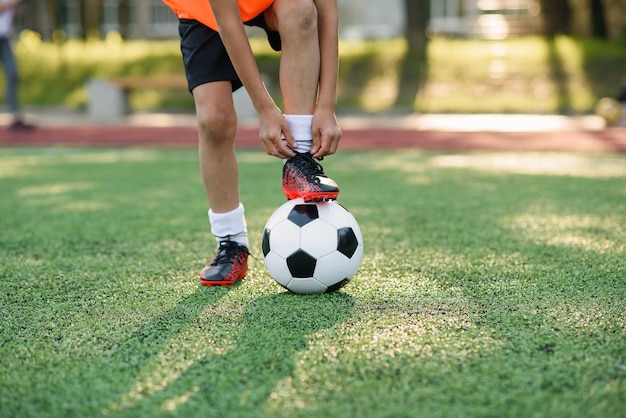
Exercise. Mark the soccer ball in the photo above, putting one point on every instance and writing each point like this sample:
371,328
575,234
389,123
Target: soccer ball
609,109
312,247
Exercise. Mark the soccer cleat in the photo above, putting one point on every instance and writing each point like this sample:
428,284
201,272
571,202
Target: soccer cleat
18,125
229,265
304,177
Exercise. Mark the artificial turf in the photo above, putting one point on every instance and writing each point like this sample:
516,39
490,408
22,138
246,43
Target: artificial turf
492,285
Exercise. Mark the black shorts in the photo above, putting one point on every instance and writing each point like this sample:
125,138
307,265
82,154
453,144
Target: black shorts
205,56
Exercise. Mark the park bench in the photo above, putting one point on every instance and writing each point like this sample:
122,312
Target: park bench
108,98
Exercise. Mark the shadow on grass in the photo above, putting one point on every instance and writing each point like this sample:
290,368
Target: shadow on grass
87,386
273,329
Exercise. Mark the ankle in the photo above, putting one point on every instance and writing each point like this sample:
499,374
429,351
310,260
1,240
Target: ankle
230,226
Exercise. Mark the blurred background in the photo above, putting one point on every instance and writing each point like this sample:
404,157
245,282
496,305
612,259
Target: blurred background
402,56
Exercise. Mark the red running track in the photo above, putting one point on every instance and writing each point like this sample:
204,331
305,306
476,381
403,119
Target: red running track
602,141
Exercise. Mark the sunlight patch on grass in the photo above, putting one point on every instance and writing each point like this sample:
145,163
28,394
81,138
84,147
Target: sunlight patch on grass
576,231
189,346
172,361
171,404
83,206
381,343
587,316
255,158
582,241
53,189
111,157
536,164
63,202
10,168
404,162
15,165
371,338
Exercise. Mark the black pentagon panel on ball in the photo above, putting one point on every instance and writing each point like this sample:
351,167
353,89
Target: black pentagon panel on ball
347,242
265,242
301,264
303,214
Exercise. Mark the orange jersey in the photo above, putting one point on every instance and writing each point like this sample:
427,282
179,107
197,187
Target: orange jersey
200,10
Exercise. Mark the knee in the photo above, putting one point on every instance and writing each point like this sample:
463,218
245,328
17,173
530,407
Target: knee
217,127
299,18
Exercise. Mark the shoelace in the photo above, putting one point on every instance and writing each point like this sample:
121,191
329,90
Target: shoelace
227,250
311,168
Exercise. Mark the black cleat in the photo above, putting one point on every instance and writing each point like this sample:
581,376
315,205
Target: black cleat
304,177
229,265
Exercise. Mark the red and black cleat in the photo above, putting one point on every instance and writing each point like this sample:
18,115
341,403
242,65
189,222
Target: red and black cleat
229,265
304,177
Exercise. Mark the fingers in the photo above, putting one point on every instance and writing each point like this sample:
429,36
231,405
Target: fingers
326,134
288,139
276,137
277,147
325,143
278,141
317,143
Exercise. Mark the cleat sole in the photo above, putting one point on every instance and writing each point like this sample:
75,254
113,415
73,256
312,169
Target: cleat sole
229,282
220,282
312,197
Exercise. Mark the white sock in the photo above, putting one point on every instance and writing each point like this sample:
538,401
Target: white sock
230,226
300,127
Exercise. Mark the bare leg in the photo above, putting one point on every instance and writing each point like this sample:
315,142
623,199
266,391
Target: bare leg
217,126
296,21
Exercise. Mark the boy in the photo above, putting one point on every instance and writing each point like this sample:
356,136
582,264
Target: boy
218,60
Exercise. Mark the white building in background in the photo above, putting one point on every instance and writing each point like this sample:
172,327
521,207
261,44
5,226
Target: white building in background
147,18
358,19
496,19
371,19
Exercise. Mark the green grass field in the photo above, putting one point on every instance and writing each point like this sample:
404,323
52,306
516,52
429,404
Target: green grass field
492,285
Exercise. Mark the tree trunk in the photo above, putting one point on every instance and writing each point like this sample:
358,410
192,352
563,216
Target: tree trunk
44,13
556,16
598,19
125,18
91,17
417,16
414,68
